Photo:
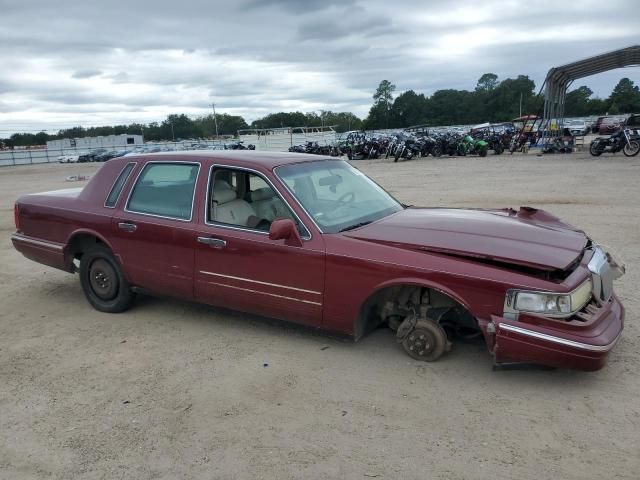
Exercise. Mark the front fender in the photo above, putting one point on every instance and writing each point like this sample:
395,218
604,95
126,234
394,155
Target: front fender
421,282
361,322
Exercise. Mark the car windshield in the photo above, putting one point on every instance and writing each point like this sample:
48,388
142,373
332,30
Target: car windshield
336,195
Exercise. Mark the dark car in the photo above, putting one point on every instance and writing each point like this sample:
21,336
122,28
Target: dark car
595,128
91,156
633,123
611,125
313,240
108,155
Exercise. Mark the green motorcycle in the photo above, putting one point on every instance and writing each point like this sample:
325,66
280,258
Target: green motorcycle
471,146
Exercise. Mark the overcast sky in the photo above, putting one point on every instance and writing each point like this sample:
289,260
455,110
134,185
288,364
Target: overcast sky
64,63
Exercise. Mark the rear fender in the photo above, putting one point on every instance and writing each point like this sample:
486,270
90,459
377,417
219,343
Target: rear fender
88,232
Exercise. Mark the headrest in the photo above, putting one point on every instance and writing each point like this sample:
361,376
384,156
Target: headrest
262,194
223,195
221,185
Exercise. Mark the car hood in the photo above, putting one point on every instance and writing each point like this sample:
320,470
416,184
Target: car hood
528,237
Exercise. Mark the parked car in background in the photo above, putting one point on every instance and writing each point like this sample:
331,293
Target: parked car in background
68,158
633,123
136,151
312,240
577,127
103,157
91,156
611,125
596,126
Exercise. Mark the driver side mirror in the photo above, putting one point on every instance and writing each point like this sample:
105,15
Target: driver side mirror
285,229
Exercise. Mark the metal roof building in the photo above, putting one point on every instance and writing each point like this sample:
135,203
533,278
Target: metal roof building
560,78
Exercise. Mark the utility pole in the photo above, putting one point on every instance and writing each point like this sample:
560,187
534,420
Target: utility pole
215,120
520,104
173,134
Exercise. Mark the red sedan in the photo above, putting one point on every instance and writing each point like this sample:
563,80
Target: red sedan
312,240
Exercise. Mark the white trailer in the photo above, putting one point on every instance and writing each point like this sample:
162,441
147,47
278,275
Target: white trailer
90,143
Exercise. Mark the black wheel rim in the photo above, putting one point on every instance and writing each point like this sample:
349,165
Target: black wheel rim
421,343
103,279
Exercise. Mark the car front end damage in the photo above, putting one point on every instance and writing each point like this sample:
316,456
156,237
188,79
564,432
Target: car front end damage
575,329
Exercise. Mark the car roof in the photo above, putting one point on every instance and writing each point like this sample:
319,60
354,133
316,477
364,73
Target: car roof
241,158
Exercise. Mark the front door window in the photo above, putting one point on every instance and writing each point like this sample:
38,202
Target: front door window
245,200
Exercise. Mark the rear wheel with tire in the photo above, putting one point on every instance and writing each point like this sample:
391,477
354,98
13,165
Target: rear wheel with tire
102,281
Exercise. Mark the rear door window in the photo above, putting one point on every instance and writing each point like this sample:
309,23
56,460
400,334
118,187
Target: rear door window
165,190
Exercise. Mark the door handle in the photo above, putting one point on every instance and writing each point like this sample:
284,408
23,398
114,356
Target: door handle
213,242
127,227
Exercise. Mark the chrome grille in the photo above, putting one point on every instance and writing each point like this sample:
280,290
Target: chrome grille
602,275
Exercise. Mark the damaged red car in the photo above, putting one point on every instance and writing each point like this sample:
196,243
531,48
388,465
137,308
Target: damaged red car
313,240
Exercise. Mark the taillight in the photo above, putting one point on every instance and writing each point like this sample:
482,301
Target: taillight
16,216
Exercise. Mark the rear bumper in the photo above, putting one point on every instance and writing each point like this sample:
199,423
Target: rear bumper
41,251
579,349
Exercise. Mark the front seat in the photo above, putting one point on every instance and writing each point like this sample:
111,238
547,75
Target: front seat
227,208
268,205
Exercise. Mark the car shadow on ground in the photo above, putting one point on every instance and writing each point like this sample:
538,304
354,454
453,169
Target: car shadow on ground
470,356
468,359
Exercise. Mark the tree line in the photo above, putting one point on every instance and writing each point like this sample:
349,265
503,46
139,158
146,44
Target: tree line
492,100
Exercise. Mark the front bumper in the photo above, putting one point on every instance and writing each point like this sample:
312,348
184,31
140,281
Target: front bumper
581,348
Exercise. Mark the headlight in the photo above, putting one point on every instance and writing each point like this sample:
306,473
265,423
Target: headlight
549,303
542,302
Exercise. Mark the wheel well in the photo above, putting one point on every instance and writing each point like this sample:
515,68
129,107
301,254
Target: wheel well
395,302
79,244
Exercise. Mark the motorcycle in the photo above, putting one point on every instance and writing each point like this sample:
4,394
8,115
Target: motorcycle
239,146
448,143
429,145
496,143
621,140
407,147
470,146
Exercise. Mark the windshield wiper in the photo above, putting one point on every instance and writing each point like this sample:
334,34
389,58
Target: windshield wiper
357,225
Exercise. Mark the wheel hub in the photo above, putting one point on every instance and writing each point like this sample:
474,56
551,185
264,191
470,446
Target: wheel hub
103,279
420,343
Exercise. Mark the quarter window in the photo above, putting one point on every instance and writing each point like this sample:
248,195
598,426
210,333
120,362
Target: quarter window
165,190
112,199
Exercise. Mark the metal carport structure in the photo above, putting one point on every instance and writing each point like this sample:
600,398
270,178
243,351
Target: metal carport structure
560,78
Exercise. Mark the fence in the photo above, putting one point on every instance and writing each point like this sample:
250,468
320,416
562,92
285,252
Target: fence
280,139
45,155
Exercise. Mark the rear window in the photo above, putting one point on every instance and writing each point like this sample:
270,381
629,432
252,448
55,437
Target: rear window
165,190
114,194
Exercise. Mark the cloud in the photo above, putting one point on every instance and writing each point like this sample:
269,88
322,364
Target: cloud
89,63
353,21
297,6
86,73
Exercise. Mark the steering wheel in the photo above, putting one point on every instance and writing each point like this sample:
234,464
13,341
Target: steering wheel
347,198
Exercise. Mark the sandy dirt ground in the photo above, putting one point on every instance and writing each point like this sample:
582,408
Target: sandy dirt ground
173,390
